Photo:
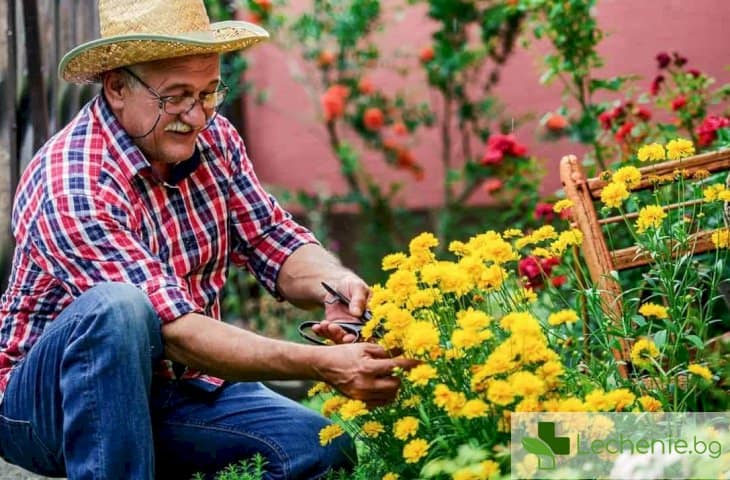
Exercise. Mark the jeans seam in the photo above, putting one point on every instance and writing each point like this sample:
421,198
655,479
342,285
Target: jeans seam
224,428
28,424
93,403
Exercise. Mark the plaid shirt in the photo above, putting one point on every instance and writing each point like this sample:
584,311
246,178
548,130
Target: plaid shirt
89,210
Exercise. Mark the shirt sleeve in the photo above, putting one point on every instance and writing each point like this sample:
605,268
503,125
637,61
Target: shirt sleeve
82,243
263,234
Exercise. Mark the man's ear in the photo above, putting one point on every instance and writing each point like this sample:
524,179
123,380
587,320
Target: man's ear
115,88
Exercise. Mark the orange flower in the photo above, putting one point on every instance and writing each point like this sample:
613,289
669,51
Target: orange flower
366,86
556,122
399,128
405,158
325,59
333,102
426,54
373,119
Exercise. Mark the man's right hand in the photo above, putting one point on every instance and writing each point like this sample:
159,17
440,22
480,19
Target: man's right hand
363,371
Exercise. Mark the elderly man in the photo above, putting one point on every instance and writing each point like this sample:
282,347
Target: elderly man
113,363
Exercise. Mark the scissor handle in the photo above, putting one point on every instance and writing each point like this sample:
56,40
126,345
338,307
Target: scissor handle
366,315
305,330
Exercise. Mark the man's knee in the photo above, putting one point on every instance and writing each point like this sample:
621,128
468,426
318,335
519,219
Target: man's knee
124,313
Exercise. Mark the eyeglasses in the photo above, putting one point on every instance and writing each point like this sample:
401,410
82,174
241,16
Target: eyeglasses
181,104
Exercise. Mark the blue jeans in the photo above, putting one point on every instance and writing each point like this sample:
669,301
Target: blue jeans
83,403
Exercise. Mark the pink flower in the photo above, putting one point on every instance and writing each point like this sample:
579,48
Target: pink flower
500,145
656,84
679,103
707,131
544,210
492,185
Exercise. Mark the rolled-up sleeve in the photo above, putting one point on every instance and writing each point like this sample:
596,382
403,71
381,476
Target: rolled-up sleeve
82,243
263,234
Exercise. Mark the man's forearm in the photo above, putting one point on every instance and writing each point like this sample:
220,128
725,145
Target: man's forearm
302,273
236,354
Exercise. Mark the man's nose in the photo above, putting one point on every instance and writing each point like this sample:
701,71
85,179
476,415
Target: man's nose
196,115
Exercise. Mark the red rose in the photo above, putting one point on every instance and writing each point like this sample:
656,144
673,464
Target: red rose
373,119
679,103
663,59
333,101
426,54
544,210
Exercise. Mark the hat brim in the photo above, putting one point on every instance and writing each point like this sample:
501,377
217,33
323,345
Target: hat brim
86,63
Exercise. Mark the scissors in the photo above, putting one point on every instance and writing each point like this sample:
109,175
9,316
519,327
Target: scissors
354,328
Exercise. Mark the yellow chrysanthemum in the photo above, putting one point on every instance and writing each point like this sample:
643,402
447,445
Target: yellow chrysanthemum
415,450
471,319
463,339
353,409
614,194
421,374
561,205
421,337
512,233
331,405
597,401
391,476
721,238
654,310
526,384
423,298
620,399
492,278
500,393
413,401
629,176
372,429
563,316
394,261
650,404
489,468
650,216
546,232
652,153
700,371
319,387
680,148
329,433
450,401
474,408
642,352
405,427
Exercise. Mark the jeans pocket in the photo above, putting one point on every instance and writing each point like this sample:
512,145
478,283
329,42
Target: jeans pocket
20,445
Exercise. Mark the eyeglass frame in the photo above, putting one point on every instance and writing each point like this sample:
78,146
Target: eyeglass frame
166,100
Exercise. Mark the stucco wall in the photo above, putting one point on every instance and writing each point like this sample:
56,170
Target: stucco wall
290,148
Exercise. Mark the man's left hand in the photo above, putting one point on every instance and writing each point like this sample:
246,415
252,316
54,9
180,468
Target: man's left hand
354,288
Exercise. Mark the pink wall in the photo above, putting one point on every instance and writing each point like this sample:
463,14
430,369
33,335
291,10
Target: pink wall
289,145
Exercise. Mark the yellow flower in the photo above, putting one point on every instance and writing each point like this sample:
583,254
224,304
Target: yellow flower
650,216
512,233
331,405
394,261
405,427
500,393
372,429
620,399
421,374
629,176
463,339
414,450
413,401
353,409
458,248
492,278
614,194
650,404
642,352
563,316
571,404
329,433
700,371
421,337
546,232
489,468
526,384
471,319
319,387
652,153
423,298
680,148
391,476
654,310
473,409
721,238
597,401
450,401
561,205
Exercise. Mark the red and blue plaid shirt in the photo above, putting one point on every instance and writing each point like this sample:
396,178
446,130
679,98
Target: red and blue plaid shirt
89,210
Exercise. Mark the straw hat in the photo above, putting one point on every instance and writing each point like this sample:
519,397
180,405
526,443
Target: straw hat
136,31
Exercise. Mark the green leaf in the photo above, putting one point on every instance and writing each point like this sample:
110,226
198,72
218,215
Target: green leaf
660,338
537,446
696,341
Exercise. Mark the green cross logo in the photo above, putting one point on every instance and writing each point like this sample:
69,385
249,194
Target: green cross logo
547,445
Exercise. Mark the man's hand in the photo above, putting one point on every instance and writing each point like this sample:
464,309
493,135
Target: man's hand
362,371
354,288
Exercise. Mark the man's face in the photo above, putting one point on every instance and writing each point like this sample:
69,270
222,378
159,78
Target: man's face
172,139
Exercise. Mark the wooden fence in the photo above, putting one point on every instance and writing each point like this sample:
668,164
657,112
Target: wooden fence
35,102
